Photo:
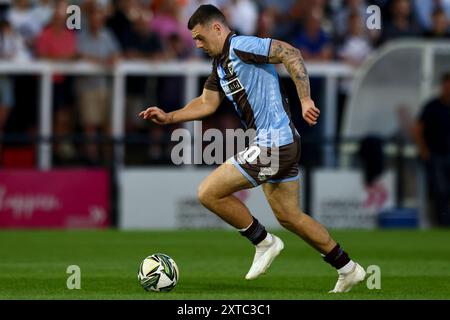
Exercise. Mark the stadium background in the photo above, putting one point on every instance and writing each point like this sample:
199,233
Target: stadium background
74,155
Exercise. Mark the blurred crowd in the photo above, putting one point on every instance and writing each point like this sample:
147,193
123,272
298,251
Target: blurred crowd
323,30
157,30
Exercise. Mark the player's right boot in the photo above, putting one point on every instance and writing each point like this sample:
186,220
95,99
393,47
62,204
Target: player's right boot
347,281
263,257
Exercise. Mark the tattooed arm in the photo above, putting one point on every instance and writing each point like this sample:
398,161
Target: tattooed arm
291,58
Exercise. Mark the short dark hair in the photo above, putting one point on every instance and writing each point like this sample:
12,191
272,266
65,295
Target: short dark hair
445,77
204,14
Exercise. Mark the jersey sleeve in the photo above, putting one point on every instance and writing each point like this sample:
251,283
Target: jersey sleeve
252,49
212,83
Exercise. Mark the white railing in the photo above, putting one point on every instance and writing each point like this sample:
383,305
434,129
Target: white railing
191,70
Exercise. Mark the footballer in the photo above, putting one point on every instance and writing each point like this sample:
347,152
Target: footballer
244,72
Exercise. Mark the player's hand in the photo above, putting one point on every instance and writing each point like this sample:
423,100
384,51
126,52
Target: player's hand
156,115
309,111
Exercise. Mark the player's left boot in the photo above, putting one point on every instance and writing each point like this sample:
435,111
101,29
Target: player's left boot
347,281
265,253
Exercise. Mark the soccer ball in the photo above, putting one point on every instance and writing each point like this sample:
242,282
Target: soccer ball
158,272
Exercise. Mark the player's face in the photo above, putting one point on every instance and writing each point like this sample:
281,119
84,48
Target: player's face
206,38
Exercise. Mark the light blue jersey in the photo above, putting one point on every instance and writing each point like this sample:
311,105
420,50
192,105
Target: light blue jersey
244,75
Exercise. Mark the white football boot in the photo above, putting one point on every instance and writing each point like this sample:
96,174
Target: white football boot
264,256
347,281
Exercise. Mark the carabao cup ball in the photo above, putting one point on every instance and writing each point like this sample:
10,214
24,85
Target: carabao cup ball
158,272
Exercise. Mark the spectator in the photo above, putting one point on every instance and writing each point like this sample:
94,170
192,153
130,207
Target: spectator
372,159
440,26
356,45
282,7
57,43
302,9
175,48
166,23
43,12
143,44
341,18
313,41
432,134
267,23
89,6
243,16
424,11
178,43
121,22
383,4
402,23
11,48
96,44
274,23
353,51
23,20
373,164
12,45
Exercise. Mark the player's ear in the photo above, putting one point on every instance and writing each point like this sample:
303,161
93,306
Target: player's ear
217,27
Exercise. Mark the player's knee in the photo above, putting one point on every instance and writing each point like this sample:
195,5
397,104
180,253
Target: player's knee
288,218
203,194
285,220
283,217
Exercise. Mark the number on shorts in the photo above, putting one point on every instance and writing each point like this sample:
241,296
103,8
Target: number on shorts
251,153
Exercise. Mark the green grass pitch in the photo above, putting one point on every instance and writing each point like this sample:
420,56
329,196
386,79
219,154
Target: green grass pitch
414,265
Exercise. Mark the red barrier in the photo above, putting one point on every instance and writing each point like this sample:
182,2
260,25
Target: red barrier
54,199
